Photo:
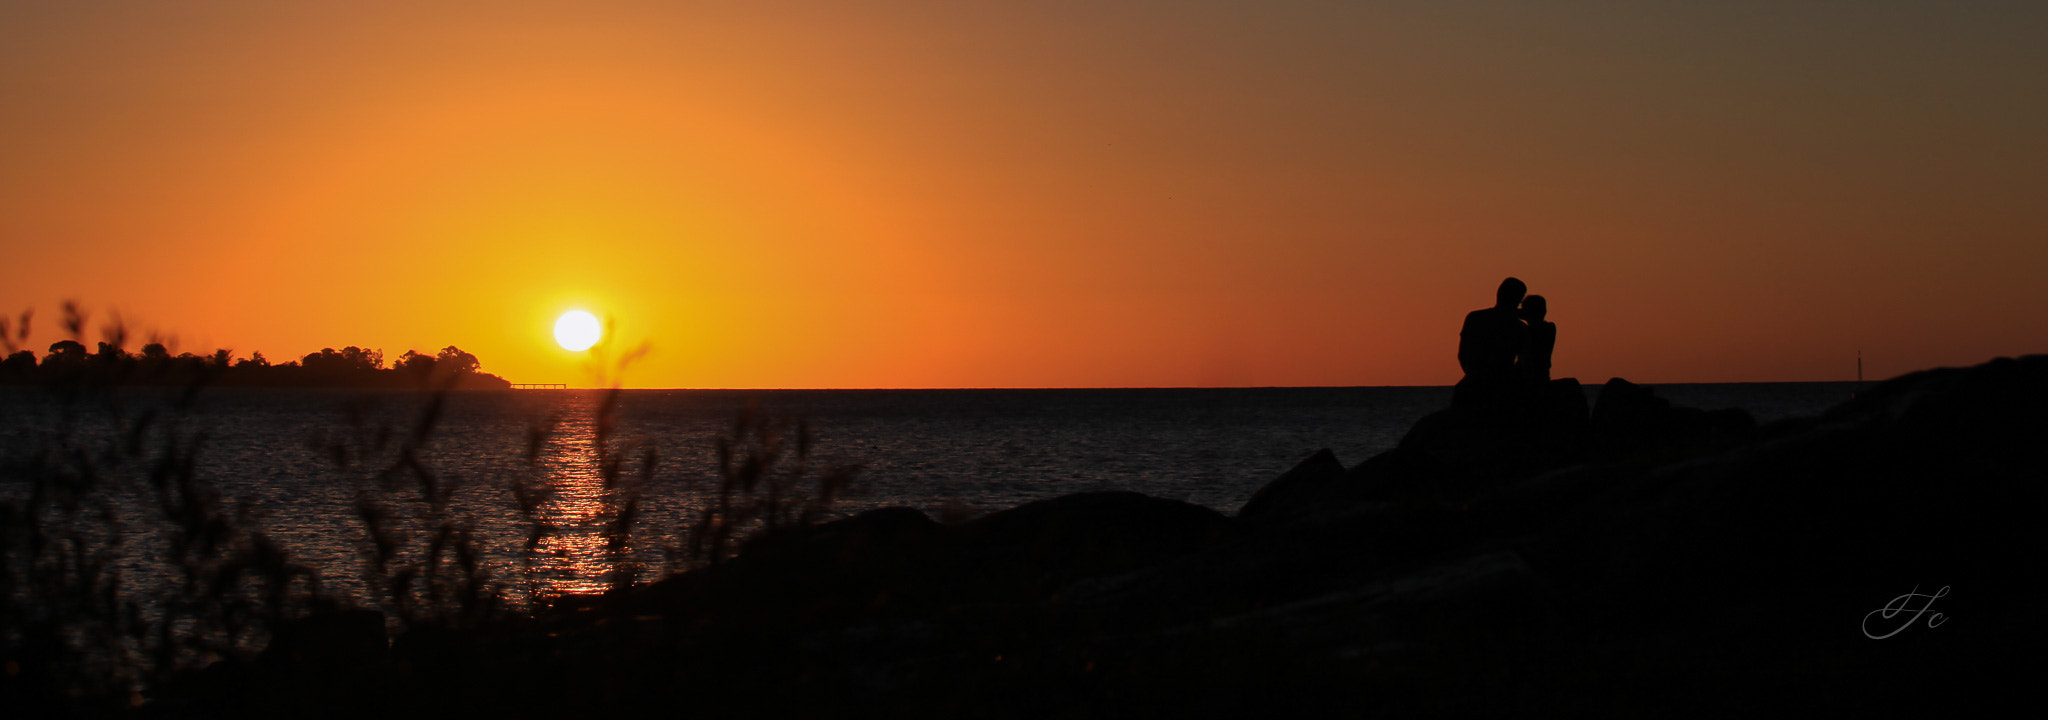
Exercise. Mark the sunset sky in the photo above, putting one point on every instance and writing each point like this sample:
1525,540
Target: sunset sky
1044,194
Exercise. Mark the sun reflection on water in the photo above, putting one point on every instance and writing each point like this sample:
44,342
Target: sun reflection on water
573,558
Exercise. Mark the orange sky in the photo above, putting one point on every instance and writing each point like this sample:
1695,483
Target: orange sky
1037,194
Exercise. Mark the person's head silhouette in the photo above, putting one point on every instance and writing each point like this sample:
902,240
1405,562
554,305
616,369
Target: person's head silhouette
1533,308
1510,294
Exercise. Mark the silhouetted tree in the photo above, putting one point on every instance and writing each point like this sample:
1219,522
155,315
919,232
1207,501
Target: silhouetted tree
453,359
68,362
110,354
189,363
360,359
349,360
155,362
416,363
64,353
324,361
19,366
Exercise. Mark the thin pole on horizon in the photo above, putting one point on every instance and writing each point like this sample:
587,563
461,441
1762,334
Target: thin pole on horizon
1859,376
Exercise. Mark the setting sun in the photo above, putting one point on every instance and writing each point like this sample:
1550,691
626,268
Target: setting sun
577,330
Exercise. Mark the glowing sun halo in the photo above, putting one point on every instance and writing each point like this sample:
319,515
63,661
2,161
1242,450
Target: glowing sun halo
577,330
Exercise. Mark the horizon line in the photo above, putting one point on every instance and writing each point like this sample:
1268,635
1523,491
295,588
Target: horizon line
1193,387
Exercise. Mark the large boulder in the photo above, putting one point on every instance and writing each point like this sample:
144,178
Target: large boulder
1039,546
1319,489
1630,420
1480,446
1928,481
1446,455
880,535
329,642
1302,489
897,561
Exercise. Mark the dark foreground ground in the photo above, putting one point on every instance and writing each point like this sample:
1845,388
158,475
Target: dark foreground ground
1637,560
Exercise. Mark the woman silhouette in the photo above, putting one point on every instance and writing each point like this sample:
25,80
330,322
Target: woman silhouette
1534,366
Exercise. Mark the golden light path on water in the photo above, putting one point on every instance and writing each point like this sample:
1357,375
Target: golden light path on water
572,559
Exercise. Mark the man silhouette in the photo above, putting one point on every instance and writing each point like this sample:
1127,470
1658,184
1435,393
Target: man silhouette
1488,346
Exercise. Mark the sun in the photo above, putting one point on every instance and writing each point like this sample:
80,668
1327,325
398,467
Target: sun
577,330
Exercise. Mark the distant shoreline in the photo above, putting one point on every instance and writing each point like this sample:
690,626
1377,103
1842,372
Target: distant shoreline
70,364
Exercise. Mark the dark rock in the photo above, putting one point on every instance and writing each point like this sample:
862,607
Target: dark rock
1398,473
881,560
1471,448
1320,490
1301,488
896,562
1448,454
1630,420
1074,536
433,646
848,542
1927,480
1467,444
335,641
1561,422
331,663
1990,404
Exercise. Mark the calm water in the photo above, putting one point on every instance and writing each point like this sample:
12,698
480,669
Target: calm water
951,452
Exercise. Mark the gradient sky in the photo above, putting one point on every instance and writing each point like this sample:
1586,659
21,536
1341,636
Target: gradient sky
1037,194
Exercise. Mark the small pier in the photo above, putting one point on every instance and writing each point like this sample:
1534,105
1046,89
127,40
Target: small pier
540,386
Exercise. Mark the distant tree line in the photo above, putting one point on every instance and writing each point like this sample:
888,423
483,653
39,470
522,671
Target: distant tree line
70,362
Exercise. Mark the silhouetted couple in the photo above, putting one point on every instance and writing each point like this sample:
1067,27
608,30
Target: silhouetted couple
1505,349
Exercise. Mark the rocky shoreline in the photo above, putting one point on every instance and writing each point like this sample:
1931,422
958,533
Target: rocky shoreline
1627,559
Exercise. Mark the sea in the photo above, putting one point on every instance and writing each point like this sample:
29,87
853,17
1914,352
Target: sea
299,466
